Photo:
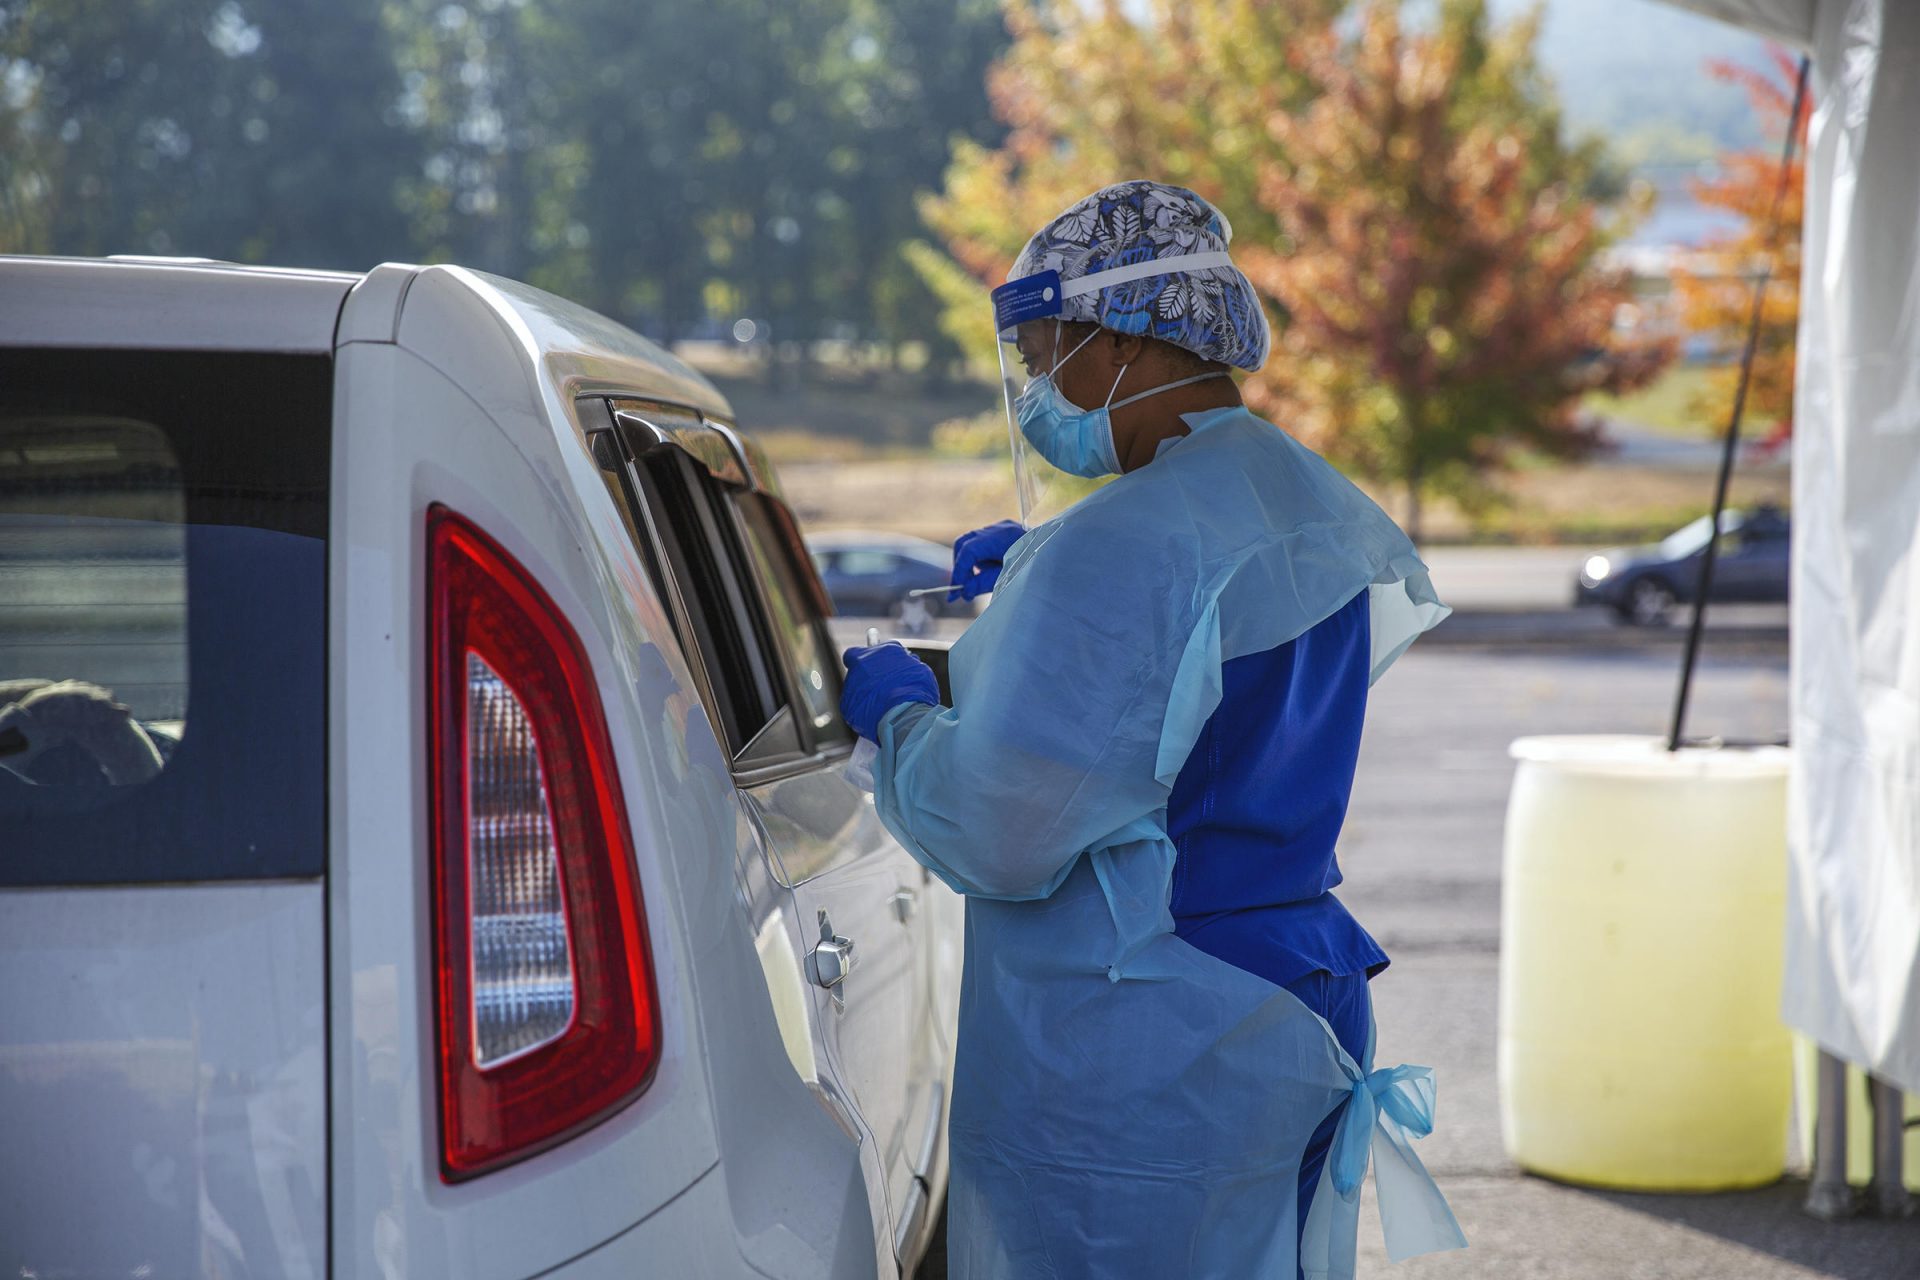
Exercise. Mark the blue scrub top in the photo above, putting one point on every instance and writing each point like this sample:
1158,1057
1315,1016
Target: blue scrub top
1257,809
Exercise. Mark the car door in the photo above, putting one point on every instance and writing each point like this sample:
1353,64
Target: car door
851,881
1742,568
751,615
1766,555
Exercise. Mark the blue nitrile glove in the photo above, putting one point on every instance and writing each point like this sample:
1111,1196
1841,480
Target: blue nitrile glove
879,678
977,558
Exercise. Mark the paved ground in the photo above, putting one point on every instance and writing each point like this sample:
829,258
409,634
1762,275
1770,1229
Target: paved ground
1422,856
1505,578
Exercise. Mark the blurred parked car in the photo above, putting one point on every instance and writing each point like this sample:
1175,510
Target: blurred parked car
426,844
1643,584
871,574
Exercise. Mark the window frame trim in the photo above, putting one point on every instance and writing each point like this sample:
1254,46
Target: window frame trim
620,417
796,696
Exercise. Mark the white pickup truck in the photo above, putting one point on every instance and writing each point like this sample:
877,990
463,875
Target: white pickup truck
424,843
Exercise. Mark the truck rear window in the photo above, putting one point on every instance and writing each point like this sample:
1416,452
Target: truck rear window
163,521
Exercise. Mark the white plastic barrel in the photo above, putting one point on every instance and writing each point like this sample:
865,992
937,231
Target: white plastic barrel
1643,904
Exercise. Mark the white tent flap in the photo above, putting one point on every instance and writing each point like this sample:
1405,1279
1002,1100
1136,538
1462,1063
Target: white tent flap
1789,20
1853,929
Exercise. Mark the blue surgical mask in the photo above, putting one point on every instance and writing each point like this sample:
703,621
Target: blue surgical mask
1078,441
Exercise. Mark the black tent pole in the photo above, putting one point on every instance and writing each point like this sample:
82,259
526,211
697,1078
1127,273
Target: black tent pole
1704,587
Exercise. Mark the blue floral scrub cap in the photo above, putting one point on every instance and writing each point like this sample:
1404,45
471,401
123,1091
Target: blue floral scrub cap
1132,235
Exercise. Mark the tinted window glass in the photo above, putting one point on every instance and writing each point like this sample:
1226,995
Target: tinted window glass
93,580
707,566
162,615
809,653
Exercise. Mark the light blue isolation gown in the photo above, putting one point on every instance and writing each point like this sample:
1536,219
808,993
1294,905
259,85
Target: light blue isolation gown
1125,1104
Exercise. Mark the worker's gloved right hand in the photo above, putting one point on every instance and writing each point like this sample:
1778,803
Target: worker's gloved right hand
977,558
879,678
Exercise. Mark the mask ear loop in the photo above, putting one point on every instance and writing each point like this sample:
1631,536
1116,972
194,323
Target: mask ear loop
1168,386
1059,327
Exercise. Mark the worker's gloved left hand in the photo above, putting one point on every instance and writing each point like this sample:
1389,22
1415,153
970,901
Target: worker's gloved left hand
977,558
879,678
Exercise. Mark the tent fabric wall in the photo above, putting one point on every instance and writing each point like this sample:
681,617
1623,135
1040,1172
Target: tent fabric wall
1853,918
1853,926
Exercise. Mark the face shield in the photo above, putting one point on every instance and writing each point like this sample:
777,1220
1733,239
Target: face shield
1061,451
1043,470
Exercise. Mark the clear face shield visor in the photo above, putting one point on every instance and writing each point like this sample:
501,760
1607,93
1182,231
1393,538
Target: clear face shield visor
1029,353
1060,453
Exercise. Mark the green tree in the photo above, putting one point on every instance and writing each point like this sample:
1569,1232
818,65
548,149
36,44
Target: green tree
201,127
913,80
700,132
669,164
745,157
105,144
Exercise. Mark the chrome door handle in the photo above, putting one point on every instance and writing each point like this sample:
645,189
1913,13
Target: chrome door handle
905,903
831,960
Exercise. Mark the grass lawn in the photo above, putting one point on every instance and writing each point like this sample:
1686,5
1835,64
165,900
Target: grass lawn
1667,405
941,497
1608,504
853,447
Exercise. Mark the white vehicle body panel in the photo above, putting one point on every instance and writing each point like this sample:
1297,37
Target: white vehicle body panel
186,1025
57,302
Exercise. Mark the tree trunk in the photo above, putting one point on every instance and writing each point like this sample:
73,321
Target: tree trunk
1412,469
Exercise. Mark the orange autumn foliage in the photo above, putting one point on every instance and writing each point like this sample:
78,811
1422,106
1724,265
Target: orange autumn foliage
1405,203
1719,301
1441,276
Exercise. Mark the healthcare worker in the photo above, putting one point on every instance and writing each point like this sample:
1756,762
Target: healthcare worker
1165,1055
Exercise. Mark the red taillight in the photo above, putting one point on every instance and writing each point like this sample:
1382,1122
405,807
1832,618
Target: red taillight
545,998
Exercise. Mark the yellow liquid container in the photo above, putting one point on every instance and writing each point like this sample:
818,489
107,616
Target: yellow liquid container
1643,903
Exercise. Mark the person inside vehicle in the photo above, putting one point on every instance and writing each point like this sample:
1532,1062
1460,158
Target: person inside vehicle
1164,1064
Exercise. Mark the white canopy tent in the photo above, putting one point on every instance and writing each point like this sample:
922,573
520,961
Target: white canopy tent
1853,927
1788,20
